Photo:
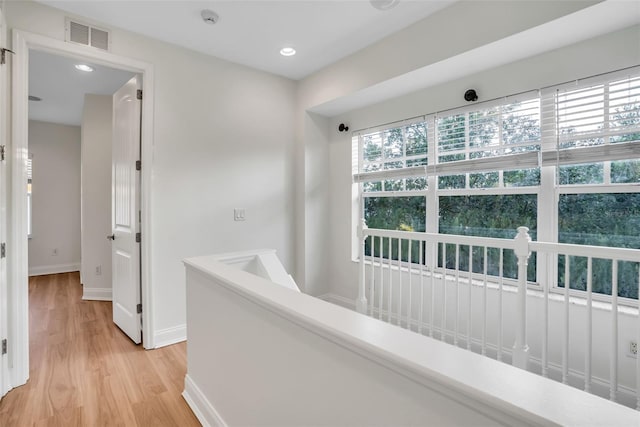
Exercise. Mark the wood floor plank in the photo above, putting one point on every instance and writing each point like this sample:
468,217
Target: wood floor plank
85,372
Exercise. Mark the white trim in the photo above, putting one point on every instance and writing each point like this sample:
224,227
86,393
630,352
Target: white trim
96,294
18,257
5,382
169,336
200,405
54,269
19,321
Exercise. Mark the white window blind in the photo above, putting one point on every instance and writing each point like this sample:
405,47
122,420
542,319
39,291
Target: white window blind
390,157
587,121
502,135
593,120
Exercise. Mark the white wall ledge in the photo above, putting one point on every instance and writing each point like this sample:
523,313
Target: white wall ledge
500,391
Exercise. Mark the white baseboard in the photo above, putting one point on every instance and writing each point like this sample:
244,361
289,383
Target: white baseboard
96,294
54,269
200,405
338,300
164,337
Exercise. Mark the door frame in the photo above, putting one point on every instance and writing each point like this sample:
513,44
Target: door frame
4,187
17,255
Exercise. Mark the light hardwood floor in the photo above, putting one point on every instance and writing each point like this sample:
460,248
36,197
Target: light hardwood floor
85,372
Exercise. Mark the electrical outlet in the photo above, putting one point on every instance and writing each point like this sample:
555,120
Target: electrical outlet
54,252
633,348
98,270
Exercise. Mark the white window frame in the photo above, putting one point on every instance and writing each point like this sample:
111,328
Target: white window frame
547,192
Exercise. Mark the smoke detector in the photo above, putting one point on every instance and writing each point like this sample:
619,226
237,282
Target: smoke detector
209,16
384,4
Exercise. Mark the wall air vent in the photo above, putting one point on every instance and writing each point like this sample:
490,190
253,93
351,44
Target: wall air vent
87,35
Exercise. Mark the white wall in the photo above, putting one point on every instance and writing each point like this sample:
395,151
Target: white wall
56,198
223,139
96,196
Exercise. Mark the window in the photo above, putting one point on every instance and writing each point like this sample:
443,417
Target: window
480,171
599,202
389,200
391,149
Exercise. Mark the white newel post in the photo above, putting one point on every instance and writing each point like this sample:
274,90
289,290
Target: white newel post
361,303
520,348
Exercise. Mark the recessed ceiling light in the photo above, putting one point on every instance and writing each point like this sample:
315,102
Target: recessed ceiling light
84,67
287,51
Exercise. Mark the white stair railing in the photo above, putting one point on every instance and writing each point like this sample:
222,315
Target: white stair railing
419,281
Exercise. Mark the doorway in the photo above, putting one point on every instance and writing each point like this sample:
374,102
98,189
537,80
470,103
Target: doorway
69,169
23,44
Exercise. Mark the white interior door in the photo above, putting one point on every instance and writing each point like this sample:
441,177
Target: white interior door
4,365
125,210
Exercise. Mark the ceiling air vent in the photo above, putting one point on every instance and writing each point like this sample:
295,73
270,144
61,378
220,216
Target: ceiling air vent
87,35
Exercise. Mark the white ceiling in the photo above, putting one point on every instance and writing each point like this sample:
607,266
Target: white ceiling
252,32
62,87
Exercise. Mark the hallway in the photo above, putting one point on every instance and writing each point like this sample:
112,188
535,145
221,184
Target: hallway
85,371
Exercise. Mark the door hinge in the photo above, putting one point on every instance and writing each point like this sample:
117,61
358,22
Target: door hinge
139,308
138,165
3,55
2,152
138,237
139,94
3,250
4,346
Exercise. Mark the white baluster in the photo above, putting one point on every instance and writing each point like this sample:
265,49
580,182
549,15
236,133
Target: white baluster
613,377
361,304
500,289
469,286
372,282
565,344
484,304
588,327
434,263
381,296
399,318
421,255
409,302
444,292
457,300
545,317
520,348
389,310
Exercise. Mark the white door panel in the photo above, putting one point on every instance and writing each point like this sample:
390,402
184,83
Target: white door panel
125,206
